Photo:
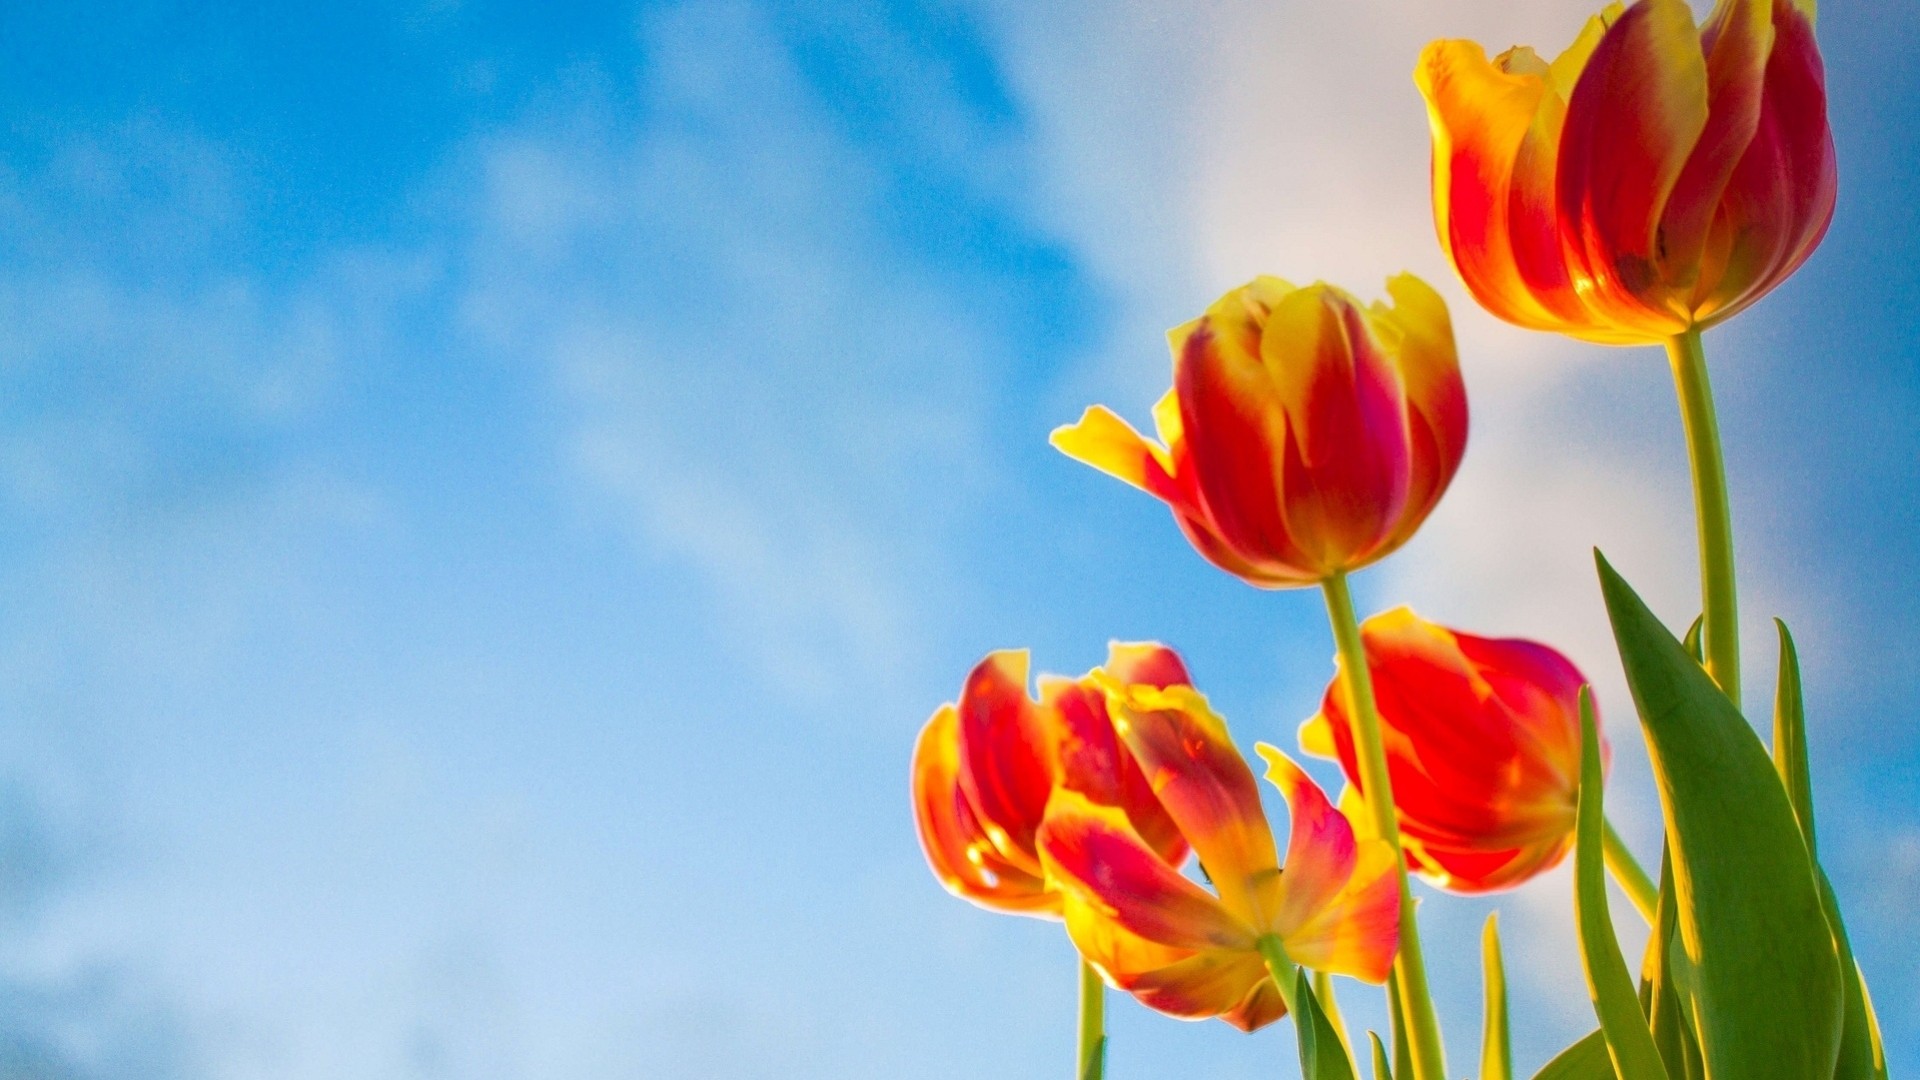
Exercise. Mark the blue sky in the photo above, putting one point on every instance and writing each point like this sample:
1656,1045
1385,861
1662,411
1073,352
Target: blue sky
487,500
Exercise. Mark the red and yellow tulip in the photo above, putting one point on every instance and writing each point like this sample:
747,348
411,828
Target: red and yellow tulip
985,767
1305,434
1483,748
1655,177
1171,943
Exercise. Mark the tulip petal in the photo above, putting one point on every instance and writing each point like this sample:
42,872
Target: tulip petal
1435,395
1092,852
1736,38
1095,763
1110,444
1482,118
956,846
1358,932
1321,847
1780,199
1208,790
1209,984
1007,761
1234,437
1636,114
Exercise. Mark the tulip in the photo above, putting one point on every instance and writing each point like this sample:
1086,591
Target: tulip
985,767
1483,746
1305,435
1192,953
1653,179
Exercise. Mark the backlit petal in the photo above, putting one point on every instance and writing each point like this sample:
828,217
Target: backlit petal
1321,847
1207,789
1092,852
956,847
1358,932
1635,116
1007,746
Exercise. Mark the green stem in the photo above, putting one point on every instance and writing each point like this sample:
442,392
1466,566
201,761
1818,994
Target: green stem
1626,870
1093,1023
1423,1027
1718,605
1280,966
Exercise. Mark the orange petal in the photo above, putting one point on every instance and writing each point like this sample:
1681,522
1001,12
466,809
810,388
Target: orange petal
1209,984
1481,117
1436,396
1007,747
1635,116
1093,853
1207,788
1320,850
1780,199
956,847
1358,931
1095,763
1110,444
1347,453
1737,38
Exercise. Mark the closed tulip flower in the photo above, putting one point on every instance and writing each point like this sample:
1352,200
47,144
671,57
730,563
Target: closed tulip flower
1192,953
1483,746
1305,435
1656,177
985,767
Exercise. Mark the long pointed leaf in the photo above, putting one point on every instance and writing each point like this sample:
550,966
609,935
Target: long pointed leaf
1790,739
1381,1070
1608,982
1496,1041
1666,1015
1322,1055
1861,1055
1757,968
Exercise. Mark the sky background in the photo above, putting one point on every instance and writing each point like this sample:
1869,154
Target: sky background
487,500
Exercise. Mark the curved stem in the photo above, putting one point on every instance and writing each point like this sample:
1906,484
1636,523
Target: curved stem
1633,880
1719,608
1281,967
1093,1023
1423,1026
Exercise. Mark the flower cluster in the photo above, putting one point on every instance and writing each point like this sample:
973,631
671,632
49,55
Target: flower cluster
1653,180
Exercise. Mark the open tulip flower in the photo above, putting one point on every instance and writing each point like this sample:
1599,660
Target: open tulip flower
1654,178
1483,745
1186,951
1305,434
985,768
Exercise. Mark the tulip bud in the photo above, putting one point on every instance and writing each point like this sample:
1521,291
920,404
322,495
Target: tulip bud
1482,737
1305,435
984,769
1656,177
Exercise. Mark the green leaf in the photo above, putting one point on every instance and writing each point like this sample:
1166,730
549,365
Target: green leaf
1757,968
1790,738
1322,1055
1694,641
1667,1015
1381,1070
1861,1054
1584,1060
1608,982
1496,1042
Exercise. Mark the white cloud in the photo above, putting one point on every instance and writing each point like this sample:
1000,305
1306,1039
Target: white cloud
766,385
